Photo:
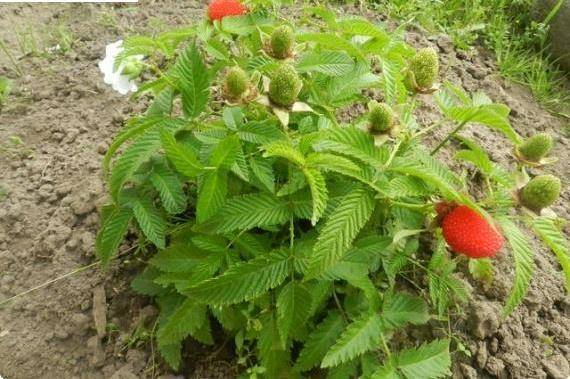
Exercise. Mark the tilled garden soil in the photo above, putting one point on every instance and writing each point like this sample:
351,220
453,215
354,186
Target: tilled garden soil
90,325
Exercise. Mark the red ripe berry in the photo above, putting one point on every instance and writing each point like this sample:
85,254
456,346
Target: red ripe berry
219,9
467,232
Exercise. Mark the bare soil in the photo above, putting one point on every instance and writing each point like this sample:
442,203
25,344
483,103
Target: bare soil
89,324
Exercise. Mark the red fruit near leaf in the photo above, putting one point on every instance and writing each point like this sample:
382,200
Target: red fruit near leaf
468,233
219,9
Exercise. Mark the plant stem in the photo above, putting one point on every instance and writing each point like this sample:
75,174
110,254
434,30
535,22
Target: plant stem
385,346
453,133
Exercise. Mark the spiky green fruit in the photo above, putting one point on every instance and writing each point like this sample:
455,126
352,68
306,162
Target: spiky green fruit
540,192
285,85
425,67
236,82
380,118
536,147
282,42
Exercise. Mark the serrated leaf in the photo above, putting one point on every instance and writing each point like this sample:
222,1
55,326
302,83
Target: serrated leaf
260,132
186,320
293,307
481,269
211,195
112,232
552,236
341,229
263,171
332,63
319,192
133,157
243,281
144,283
225,153
332,42
192,79
285,150
150,221
183,159
319,341
524,263
359,337
177,257
250,211
400,308
352,142
274,358
169,189
429,361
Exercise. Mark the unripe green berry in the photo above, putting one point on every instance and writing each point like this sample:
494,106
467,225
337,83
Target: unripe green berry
285,85
381,117
536,147
132,68
541,192
282,41
236,82
425,67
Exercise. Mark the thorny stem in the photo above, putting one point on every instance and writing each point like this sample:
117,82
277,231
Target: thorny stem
452,134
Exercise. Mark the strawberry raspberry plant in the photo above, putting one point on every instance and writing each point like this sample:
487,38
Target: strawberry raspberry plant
265,215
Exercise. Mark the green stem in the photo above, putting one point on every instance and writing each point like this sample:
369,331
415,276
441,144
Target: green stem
452,134
385,346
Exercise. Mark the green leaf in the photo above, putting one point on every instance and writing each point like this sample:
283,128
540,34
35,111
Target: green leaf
113,230
250,211
342,90
481,269
192,79
293,307
550,233
181,157
162,104
127,164
260,132
186,320
233,117
319,192
359,337
243,281
332,63
362,27
332,42
225,153
319,341
524,263
177,257
137,127
334,163
144,283
211,195
263,171
150,221
169,189
285,150
341,229
353,142
400,308
274,358
429,361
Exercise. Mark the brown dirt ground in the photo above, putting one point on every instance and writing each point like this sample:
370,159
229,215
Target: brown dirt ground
66,117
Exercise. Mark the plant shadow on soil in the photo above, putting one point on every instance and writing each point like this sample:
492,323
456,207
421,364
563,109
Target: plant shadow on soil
66,117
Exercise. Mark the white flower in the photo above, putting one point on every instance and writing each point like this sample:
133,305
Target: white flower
120,82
